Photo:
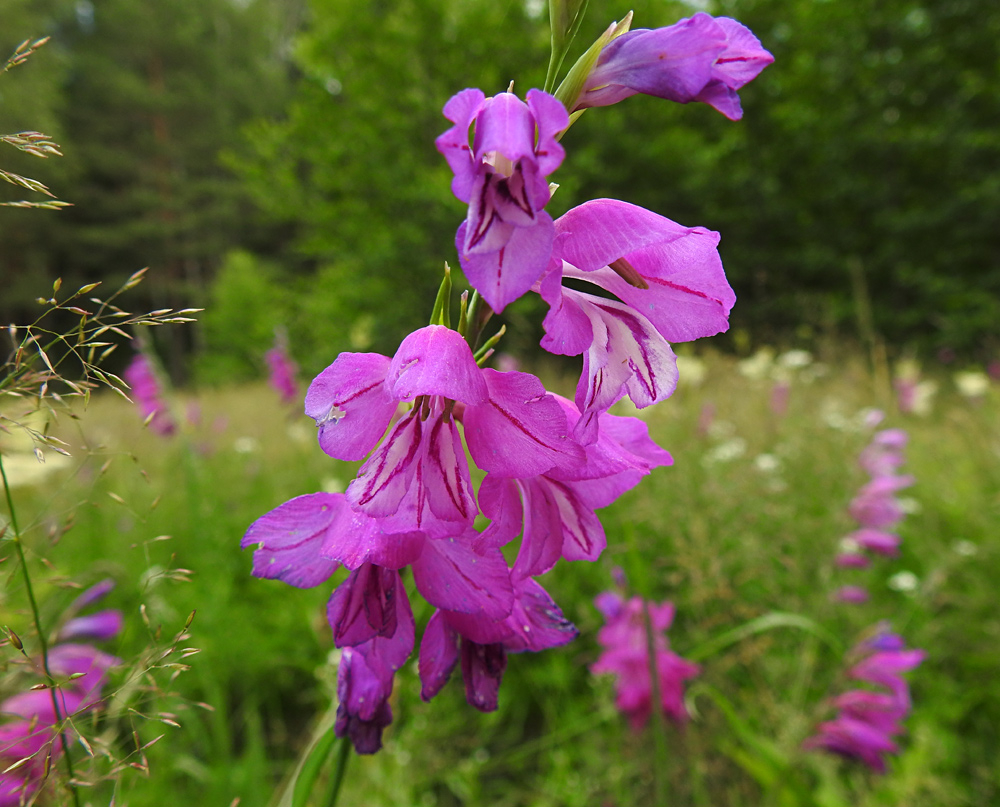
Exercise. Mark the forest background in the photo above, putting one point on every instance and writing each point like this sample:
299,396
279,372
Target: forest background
273,161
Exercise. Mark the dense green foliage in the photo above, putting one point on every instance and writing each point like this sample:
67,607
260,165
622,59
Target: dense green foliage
865,167
725,535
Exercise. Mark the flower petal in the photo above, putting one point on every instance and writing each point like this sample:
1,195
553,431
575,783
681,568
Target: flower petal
351,405
438,656
521,430
435,361
289,539
461,110
451,575
364,606
536,622
503,275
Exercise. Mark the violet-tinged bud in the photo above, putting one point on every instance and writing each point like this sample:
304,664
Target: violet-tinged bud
700,58
95,593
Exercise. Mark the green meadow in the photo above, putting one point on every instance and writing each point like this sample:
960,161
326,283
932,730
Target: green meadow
740,533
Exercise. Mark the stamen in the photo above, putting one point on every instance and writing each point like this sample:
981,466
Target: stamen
627,272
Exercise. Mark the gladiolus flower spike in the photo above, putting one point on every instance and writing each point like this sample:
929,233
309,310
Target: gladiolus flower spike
549,463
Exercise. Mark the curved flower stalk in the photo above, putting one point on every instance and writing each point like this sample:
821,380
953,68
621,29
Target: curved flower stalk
670,287
38,717
700,58
506,239
868,719
626,656
148,395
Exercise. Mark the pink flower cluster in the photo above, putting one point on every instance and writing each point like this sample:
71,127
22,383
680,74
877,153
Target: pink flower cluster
876,507
415,417
38,716
148,395
868,719
626,656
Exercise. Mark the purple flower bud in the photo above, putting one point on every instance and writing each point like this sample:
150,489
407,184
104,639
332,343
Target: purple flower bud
697,59
95,593
100,626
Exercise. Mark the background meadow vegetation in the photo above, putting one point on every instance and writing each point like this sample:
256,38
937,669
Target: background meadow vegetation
272,161
743,527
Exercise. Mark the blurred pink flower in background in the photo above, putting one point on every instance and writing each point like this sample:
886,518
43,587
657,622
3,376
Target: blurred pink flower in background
148,395
868,719
626,656
282,370
34,724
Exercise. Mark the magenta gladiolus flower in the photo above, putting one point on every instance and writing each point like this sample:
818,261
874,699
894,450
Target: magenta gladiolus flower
626,656
418,477
282,372
700,58
869,719
670,287
148,396
506,240
304,540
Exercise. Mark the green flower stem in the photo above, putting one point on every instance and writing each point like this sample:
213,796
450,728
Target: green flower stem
340,766
659,722
43,644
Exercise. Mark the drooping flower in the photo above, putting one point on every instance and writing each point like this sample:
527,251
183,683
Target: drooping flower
281,372
148,395
626,656
670,287
700,58
535,623
304,540
868,719
505,243
364,683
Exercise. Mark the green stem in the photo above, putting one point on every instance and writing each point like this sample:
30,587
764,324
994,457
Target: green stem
659,723
340,766
43,644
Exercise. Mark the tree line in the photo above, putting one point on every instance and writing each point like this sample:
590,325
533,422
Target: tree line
273,160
